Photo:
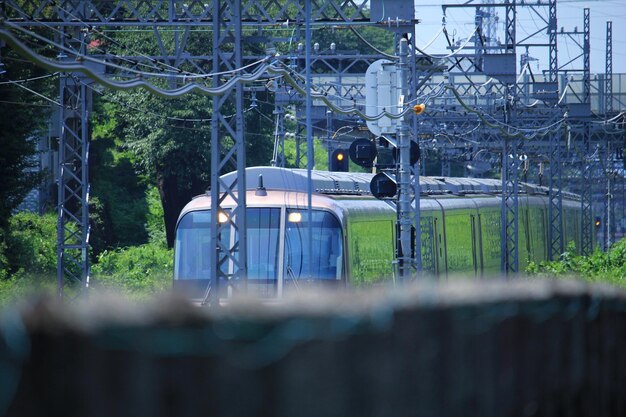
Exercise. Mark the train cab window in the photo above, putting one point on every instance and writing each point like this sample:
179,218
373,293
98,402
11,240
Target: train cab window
192,246
263,232
326,249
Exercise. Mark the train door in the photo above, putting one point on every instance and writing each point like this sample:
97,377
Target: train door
490,219
460,241
428,246
476,244
523,237
537,230
439,240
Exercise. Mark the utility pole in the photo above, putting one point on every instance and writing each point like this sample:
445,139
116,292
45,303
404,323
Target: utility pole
404,170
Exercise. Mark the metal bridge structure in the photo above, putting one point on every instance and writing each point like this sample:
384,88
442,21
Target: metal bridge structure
484,112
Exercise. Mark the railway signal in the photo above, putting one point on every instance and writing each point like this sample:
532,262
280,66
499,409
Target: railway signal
384,185
414,150
339,161
363,153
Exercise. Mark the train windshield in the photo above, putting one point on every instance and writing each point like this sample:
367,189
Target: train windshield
269,259
325,247
192,246
193,238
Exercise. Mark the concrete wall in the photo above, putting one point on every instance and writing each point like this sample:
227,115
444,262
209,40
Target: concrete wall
462,349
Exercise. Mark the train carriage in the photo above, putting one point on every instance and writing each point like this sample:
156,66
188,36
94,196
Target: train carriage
353,233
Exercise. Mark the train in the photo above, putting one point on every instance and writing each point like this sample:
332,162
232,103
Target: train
353,240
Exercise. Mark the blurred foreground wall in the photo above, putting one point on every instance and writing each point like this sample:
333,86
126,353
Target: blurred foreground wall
462,349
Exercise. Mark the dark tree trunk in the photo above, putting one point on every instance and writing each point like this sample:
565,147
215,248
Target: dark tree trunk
174,199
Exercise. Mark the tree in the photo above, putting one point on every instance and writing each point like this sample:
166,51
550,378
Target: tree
170,140
22,114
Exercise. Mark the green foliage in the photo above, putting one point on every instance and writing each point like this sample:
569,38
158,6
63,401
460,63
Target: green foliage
4,261
154,217
136,271
163,146
20,286
118,207
27,256
608,267
22,114
31,244
321,156
350,40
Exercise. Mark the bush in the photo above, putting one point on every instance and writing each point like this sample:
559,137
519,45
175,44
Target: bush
155,225
22,285
608,267
4,262
137,270
31,244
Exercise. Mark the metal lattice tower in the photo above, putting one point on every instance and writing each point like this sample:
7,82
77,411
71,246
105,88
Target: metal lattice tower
510,163
73,182
230,258
553,48
586,244
608,71
555,185
73,185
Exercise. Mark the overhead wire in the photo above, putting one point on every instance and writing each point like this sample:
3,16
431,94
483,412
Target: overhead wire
67,36
37,94
26,80
365,41
505,129
247,78
92,28
122,85
178,74
454,52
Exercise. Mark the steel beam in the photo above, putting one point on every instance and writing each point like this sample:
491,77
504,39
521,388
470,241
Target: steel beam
586,245
73,187
608,71
509,261
555,197
73,182
228,234
553,48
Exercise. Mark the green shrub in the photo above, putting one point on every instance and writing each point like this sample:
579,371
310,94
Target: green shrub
4,261
31,244
21,285
137,270
155,225
608,267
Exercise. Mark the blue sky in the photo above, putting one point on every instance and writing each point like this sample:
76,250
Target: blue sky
569,16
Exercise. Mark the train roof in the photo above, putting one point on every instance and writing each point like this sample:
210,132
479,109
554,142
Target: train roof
358,183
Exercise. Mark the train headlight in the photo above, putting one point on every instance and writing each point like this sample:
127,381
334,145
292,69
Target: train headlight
295,217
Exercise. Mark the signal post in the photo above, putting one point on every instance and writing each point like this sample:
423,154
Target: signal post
404,174
387,89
